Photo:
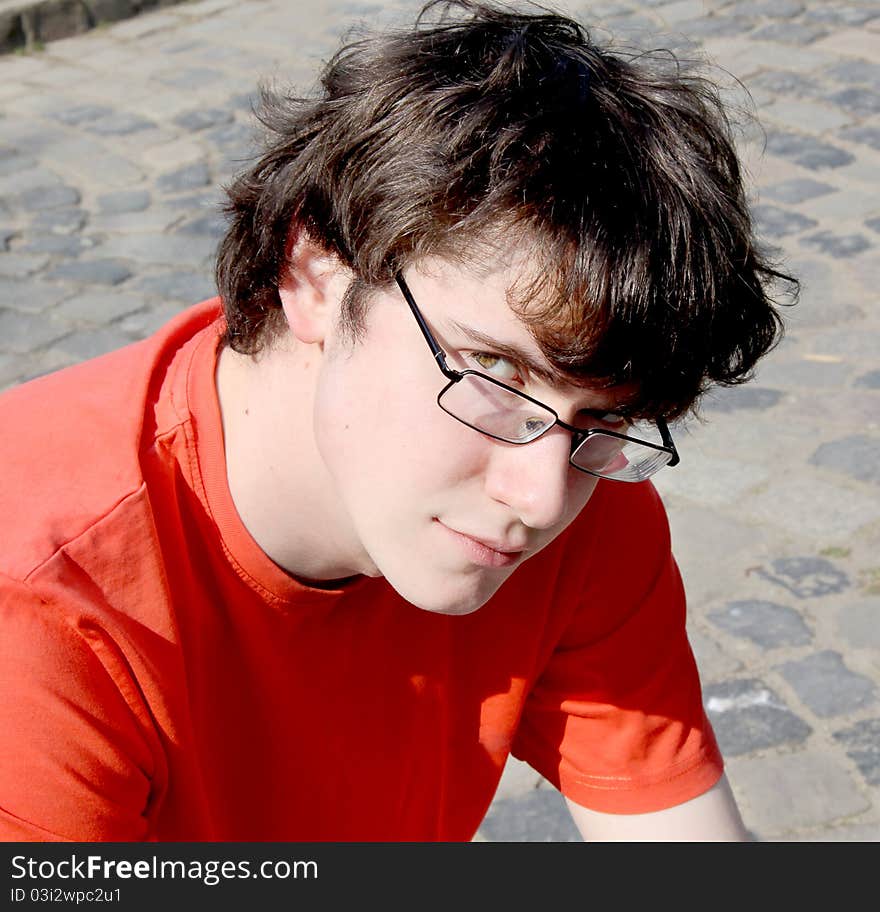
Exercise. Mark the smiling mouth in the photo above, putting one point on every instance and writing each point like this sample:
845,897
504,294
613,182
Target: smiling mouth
485,553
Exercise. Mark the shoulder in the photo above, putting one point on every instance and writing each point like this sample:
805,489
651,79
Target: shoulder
70,451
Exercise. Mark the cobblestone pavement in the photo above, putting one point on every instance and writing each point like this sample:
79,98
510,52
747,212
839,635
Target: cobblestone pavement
113,147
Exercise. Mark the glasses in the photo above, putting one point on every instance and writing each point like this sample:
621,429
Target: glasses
499,411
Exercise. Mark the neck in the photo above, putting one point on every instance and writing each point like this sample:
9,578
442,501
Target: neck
277,478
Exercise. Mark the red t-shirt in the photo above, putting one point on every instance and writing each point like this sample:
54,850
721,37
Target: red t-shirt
162,679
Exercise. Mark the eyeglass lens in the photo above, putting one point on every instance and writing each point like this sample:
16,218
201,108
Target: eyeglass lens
505,415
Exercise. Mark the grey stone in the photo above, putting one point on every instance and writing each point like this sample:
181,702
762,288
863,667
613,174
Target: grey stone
57,244
189,177
873,224
716,26
541,815
59,221
766,624
84,344
855,71
21,333
857,456
203,118
797,190
124,201
857,100
805,577
837,245
807,151
778,222
842,15
211,224
171,250
826,685
6,234
190,78
790,32
29,296
120,124
11,164
150,319
862,744
99,306
784,82
734,398
871,380
866,135
189,287
19,265
748,716
771,9
82,113
49,197
97,272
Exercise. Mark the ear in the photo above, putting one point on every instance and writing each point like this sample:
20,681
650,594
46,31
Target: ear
311,288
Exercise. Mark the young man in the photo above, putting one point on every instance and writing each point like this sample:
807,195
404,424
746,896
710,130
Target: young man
310,567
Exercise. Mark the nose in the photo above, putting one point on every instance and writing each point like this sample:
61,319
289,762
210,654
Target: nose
533,479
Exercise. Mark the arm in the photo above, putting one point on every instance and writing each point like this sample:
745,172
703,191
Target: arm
710,817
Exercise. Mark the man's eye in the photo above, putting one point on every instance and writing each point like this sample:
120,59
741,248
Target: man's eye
494,366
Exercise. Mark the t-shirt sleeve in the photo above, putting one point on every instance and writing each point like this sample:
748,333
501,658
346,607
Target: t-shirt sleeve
75,763
615,720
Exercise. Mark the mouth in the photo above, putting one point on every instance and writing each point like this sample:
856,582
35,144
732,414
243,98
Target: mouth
485,552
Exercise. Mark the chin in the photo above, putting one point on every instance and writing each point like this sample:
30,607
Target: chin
450,603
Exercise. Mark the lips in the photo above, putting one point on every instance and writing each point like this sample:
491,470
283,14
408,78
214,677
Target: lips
488,552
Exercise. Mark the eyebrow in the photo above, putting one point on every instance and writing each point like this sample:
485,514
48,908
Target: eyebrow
520,356
511,352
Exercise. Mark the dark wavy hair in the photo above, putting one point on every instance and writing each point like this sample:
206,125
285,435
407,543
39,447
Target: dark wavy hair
482,125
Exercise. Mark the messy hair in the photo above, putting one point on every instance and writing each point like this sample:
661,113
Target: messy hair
480,123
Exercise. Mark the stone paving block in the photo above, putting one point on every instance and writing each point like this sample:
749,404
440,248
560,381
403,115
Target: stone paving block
189,177
99,306
806,577
790,32
862,744
124,201
837,245
736,398
542,811
91,343
807,151
866,134
21,265
185,286
155,220
870,380
766,624
68,245
97,272
857,456
748,716
30,296
780,794
148,320
827,686
797,190
21,333
59,221
849,14
172,250
83,158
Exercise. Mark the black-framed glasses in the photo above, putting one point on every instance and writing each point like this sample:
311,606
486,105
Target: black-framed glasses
499,411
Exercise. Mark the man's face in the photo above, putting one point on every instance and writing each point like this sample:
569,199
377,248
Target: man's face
443,512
